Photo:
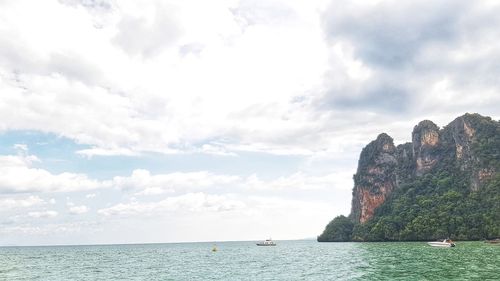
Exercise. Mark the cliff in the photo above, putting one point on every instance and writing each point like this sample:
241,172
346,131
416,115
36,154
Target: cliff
375,178
458,162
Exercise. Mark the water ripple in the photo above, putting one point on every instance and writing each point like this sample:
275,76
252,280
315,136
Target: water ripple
290,260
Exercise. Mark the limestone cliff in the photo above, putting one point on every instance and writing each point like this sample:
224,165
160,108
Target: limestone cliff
382,167
375,178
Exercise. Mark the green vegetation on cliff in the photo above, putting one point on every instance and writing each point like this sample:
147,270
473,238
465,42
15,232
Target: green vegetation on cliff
338,230
448,185
434,207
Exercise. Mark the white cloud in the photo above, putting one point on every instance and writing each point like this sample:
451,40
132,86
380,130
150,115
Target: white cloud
46,229
153,191
77,210
18,160
96,151
148,184
142,179
301,181
42,214
18,175
11,203
90,195
411,59
265,78
153,29
156,107
227,216
21,147
216,150
190,202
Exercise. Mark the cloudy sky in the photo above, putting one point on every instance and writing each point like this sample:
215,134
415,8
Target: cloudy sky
165,121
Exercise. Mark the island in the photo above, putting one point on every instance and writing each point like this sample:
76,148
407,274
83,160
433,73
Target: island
444,183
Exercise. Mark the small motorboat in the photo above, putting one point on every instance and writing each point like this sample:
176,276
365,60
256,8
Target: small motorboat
267,242
445,243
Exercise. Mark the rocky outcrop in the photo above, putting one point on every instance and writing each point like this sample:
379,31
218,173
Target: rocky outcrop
382,167
462,133
375,177
405,161
425,141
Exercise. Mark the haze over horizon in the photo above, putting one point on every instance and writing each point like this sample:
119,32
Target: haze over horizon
178,121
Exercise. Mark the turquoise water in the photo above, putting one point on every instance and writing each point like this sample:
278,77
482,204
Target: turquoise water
290,260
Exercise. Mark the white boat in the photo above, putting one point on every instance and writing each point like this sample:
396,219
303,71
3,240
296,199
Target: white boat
267,242
445,243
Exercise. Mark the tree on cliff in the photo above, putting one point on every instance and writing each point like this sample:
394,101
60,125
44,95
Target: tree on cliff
338,230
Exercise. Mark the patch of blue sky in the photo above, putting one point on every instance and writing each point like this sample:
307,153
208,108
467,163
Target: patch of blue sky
59,154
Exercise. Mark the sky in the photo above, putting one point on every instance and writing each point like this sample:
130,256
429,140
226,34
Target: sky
178,121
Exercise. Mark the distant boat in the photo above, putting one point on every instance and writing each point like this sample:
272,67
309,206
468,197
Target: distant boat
494,241
445,243
267,242
214,248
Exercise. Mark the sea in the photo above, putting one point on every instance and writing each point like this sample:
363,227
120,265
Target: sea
289,260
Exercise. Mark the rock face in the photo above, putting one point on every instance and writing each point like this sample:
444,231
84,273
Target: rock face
464,131
382,167
375,178
425,141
